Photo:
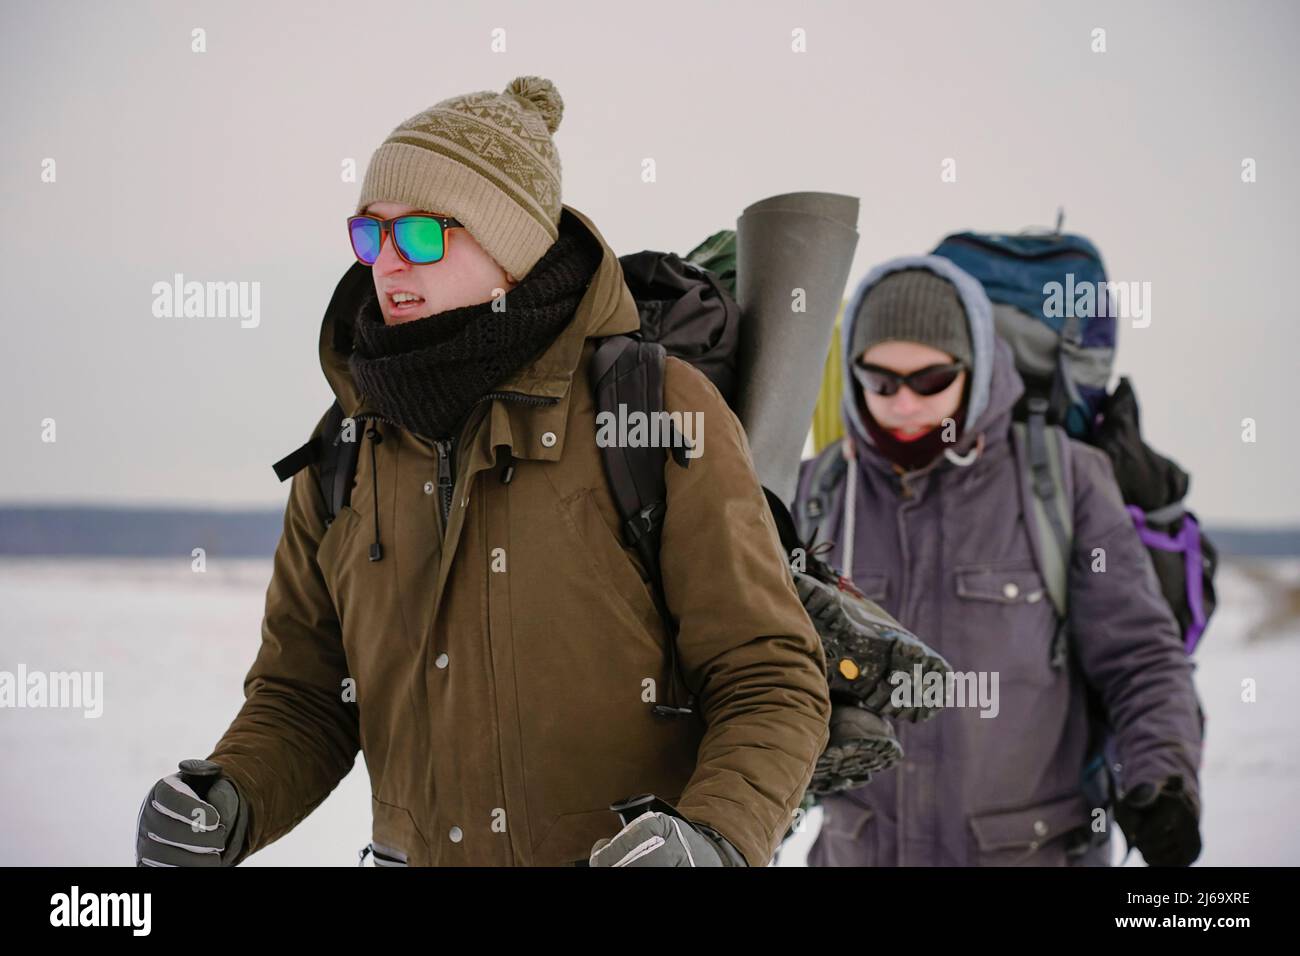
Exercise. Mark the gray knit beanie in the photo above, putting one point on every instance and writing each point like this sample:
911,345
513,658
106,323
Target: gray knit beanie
913,305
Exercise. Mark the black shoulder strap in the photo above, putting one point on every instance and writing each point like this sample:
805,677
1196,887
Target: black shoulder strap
334,449
337,458
627,376
828,473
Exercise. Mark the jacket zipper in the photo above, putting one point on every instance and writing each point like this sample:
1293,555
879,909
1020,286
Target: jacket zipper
904,489
518,397
444,478
371,416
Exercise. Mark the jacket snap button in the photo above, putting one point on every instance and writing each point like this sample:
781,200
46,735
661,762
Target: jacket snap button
1010,590
548,439
441,662
1040,828
428,487
455,834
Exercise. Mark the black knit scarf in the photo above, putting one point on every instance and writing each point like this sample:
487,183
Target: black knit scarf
428,373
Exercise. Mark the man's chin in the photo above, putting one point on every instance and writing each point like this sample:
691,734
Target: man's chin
401,319
910,434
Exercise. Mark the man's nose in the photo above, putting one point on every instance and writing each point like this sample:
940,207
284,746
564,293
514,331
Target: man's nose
906,401
388,261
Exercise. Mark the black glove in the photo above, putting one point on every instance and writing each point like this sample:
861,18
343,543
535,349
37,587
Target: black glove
1162,821
193,818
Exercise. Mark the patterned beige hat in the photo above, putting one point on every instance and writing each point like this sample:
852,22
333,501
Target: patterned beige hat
485,158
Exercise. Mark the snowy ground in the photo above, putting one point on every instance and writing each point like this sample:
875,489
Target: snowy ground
172,642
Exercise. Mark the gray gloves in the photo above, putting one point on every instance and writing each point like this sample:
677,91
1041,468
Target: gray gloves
658,839
193,818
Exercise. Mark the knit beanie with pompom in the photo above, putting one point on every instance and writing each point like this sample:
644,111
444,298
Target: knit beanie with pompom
485,158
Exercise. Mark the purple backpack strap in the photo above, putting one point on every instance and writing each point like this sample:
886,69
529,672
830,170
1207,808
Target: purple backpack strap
1188,542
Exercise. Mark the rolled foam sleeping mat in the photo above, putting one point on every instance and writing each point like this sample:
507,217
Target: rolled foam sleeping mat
793,241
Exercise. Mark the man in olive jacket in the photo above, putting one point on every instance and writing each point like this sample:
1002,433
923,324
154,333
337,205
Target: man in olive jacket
472,620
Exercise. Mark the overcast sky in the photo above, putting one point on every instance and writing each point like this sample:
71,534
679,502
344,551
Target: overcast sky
225,166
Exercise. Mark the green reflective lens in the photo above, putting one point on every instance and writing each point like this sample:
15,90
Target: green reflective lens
419,238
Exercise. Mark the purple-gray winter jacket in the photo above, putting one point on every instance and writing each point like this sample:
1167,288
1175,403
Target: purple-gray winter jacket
947,552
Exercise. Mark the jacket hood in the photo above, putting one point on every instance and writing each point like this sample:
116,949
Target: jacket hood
607,308
995,386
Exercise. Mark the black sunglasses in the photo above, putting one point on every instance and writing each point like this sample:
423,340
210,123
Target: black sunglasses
927,381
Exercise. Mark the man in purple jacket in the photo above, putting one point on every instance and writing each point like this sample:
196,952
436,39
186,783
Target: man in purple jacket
927,520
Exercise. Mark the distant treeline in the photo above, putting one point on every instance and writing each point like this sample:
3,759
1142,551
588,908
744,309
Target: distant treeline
158,532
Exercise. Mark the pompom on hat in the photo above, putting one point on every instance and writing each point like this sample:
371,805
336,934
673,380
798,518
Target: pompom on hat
485,158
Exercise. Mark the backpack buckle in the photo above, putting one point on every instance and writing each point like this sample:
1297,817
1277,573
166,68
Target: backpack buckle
644,522
1057,652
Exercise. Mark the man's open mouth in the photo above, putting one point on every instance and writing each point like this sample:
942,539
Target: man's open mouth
911,433
403,302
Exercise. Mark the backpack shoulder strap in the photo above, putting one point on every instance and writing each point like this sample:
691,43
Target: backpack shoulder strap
827,476
1048,505
627,376
334,450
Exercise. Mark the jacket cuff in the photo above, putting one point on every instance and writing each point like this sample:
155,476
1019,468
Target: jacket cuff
729,854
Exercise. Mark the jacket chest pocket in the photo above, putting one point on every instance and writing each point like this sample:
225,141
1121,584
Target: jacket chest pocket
365,593
1006,621
609,562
